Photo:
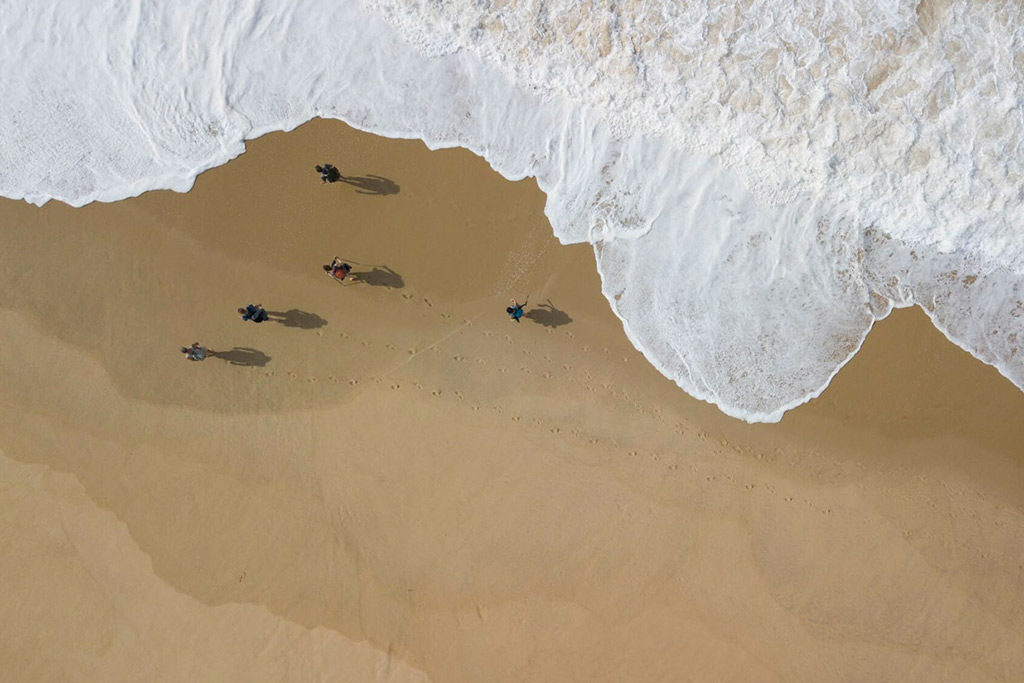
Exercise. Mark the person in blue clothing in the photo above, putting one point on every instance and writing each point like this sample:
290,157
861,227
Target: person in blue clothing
254,312
515,311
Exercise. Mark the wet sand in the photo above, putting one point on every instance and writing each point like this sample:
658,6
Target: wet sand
393,481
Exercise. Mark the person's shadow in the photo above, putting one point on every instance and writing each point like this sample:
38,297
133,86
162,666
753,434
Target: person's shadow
370,184
380,276
297,318
548,316
243,355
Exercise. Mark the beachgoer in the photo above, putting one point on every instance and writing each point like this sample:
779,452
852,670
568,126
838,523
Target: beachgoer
195,352
338,269
515,311
254,312
328,173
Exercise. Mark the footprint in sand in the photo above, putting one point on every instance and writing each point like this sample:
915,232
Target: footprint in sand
554,430
396,386
456,357
428,302
446,316
407,296
390,347
458,395
435,392
353,382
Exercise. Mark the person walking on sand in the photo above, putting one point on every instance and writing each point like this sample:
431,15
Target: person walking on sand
328,173
515,311
338,269
195,352
254,312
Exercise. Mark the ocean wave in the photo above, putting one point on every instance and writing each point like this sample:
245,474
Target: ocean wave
761,180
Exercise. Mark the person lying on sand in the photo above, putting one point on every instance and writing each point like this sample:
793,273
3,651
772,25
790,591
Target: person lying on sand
195,352
254,312
338,269
515,311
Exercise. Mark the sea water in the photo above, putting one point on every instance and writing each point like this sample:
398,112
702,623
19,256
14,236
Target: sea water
761,179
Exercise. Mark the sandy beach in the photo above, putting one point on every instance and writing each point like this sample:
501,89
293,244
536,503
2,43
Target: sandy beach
392,481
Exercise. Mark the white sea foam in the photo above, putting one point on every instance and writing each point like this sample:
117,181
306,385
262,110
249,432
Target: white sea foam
761,179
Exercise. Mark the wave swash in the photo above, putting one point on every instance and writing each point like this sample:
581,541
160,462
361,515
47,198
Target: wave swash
761,180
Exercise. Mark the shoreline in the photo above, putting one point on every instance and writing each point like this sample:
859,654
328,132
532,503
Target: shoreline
466,494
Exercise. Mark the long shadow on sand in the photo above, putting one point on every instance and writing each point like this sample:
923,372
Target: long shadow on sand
371,184
380,276
548,316
295,317
243,355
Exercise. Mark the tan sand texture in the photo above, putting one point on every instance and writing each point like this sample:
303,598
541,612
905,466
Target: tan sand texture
391,480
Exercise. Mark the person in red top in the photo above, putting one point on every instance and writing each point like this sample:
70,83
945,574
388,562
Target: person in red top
338,269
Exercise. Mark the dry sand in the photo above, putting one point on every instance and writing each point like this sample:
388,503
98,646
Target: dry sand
400,483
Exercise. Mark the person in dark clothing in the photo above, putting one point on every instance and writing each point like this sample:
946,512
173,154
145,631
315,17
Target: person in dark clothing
254,312
328,173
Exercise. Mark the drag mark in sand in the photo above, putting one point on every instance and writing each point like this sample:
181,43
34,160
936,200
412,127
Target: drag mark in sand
433,345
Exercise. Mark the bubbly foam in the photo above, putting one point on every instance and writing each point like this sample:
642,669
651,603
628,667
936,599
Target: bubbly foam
762,180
